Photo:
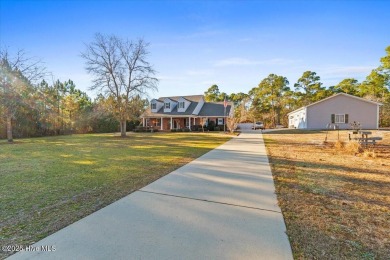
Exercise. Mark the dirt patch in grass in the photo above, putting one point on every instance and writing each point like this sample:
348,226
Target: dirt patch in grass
335,199
49,183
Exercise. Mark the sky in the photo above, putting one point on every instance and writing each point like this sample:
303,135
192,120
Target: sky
195,44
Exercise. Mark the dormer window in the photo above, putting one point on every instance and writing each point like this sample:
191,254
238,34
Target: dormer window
167,105
154,106
181,104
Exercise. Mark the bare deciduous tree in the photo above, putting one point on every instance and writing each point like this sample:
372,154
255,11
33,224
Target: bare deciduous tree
120,69
240,114
31,68
17,74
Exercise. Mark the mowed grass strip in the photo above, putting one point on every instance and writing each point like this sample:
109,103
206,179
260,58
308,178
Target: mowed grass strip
49,183
336,204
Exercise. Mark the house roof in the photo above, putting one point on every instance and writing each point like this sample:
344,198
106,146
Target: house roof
157,100
163,100
343,94
161,113
210,109
214,109
192,98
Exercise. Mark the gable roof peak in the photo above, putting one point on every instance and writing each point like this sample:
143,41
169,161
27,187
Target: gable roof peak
335,95
170,99
191,98
348,95
156,100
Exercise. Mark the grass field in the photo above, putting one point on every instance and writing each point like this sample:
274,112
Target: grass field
49,183
335,201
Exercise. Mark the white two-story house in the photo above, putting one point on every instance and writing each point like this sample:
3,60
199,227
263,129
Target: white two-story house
180,112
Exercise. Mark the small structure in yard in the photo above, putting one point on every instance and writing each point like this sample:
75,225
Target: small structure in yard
363,137
338,110
186,112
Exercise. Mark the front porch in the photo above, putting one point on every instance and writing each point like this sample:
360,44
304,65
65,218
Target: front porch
169,123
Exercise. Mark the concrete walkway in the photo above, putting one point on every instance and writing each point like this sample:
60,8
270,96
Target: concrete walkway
220,206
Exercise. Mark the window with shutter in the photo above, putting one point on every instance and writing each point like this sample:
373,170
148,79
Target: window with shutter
340,119
332,118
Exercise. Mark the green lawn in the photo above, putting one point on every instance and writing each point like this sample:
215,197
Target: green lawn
49,183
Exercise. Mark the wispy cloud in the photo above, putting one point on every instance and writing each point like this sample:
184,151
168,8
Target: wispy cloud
334,74
207,82
347,70
203,34
337,73
234,62
245,40
198,72
170,78
244,62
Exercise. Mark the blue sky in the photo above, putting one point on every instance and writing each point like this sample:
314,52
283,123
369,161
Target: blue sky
194,44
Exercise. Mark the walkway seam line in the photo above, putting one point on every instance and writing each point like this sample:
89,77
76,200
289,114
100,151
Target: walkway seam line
210,201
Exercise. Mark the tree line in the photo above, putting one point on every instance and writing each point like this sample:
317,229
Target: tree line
273,98
60,108
30,106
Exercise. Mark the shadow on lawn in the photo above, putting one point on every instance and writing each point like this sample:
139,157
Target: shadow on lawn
311,168
341,210
4,142
295,131
326,165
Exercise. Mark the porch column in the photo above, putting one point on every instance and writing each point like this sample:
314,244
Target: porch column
143,121
171,123
162,123
189,122
194,120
